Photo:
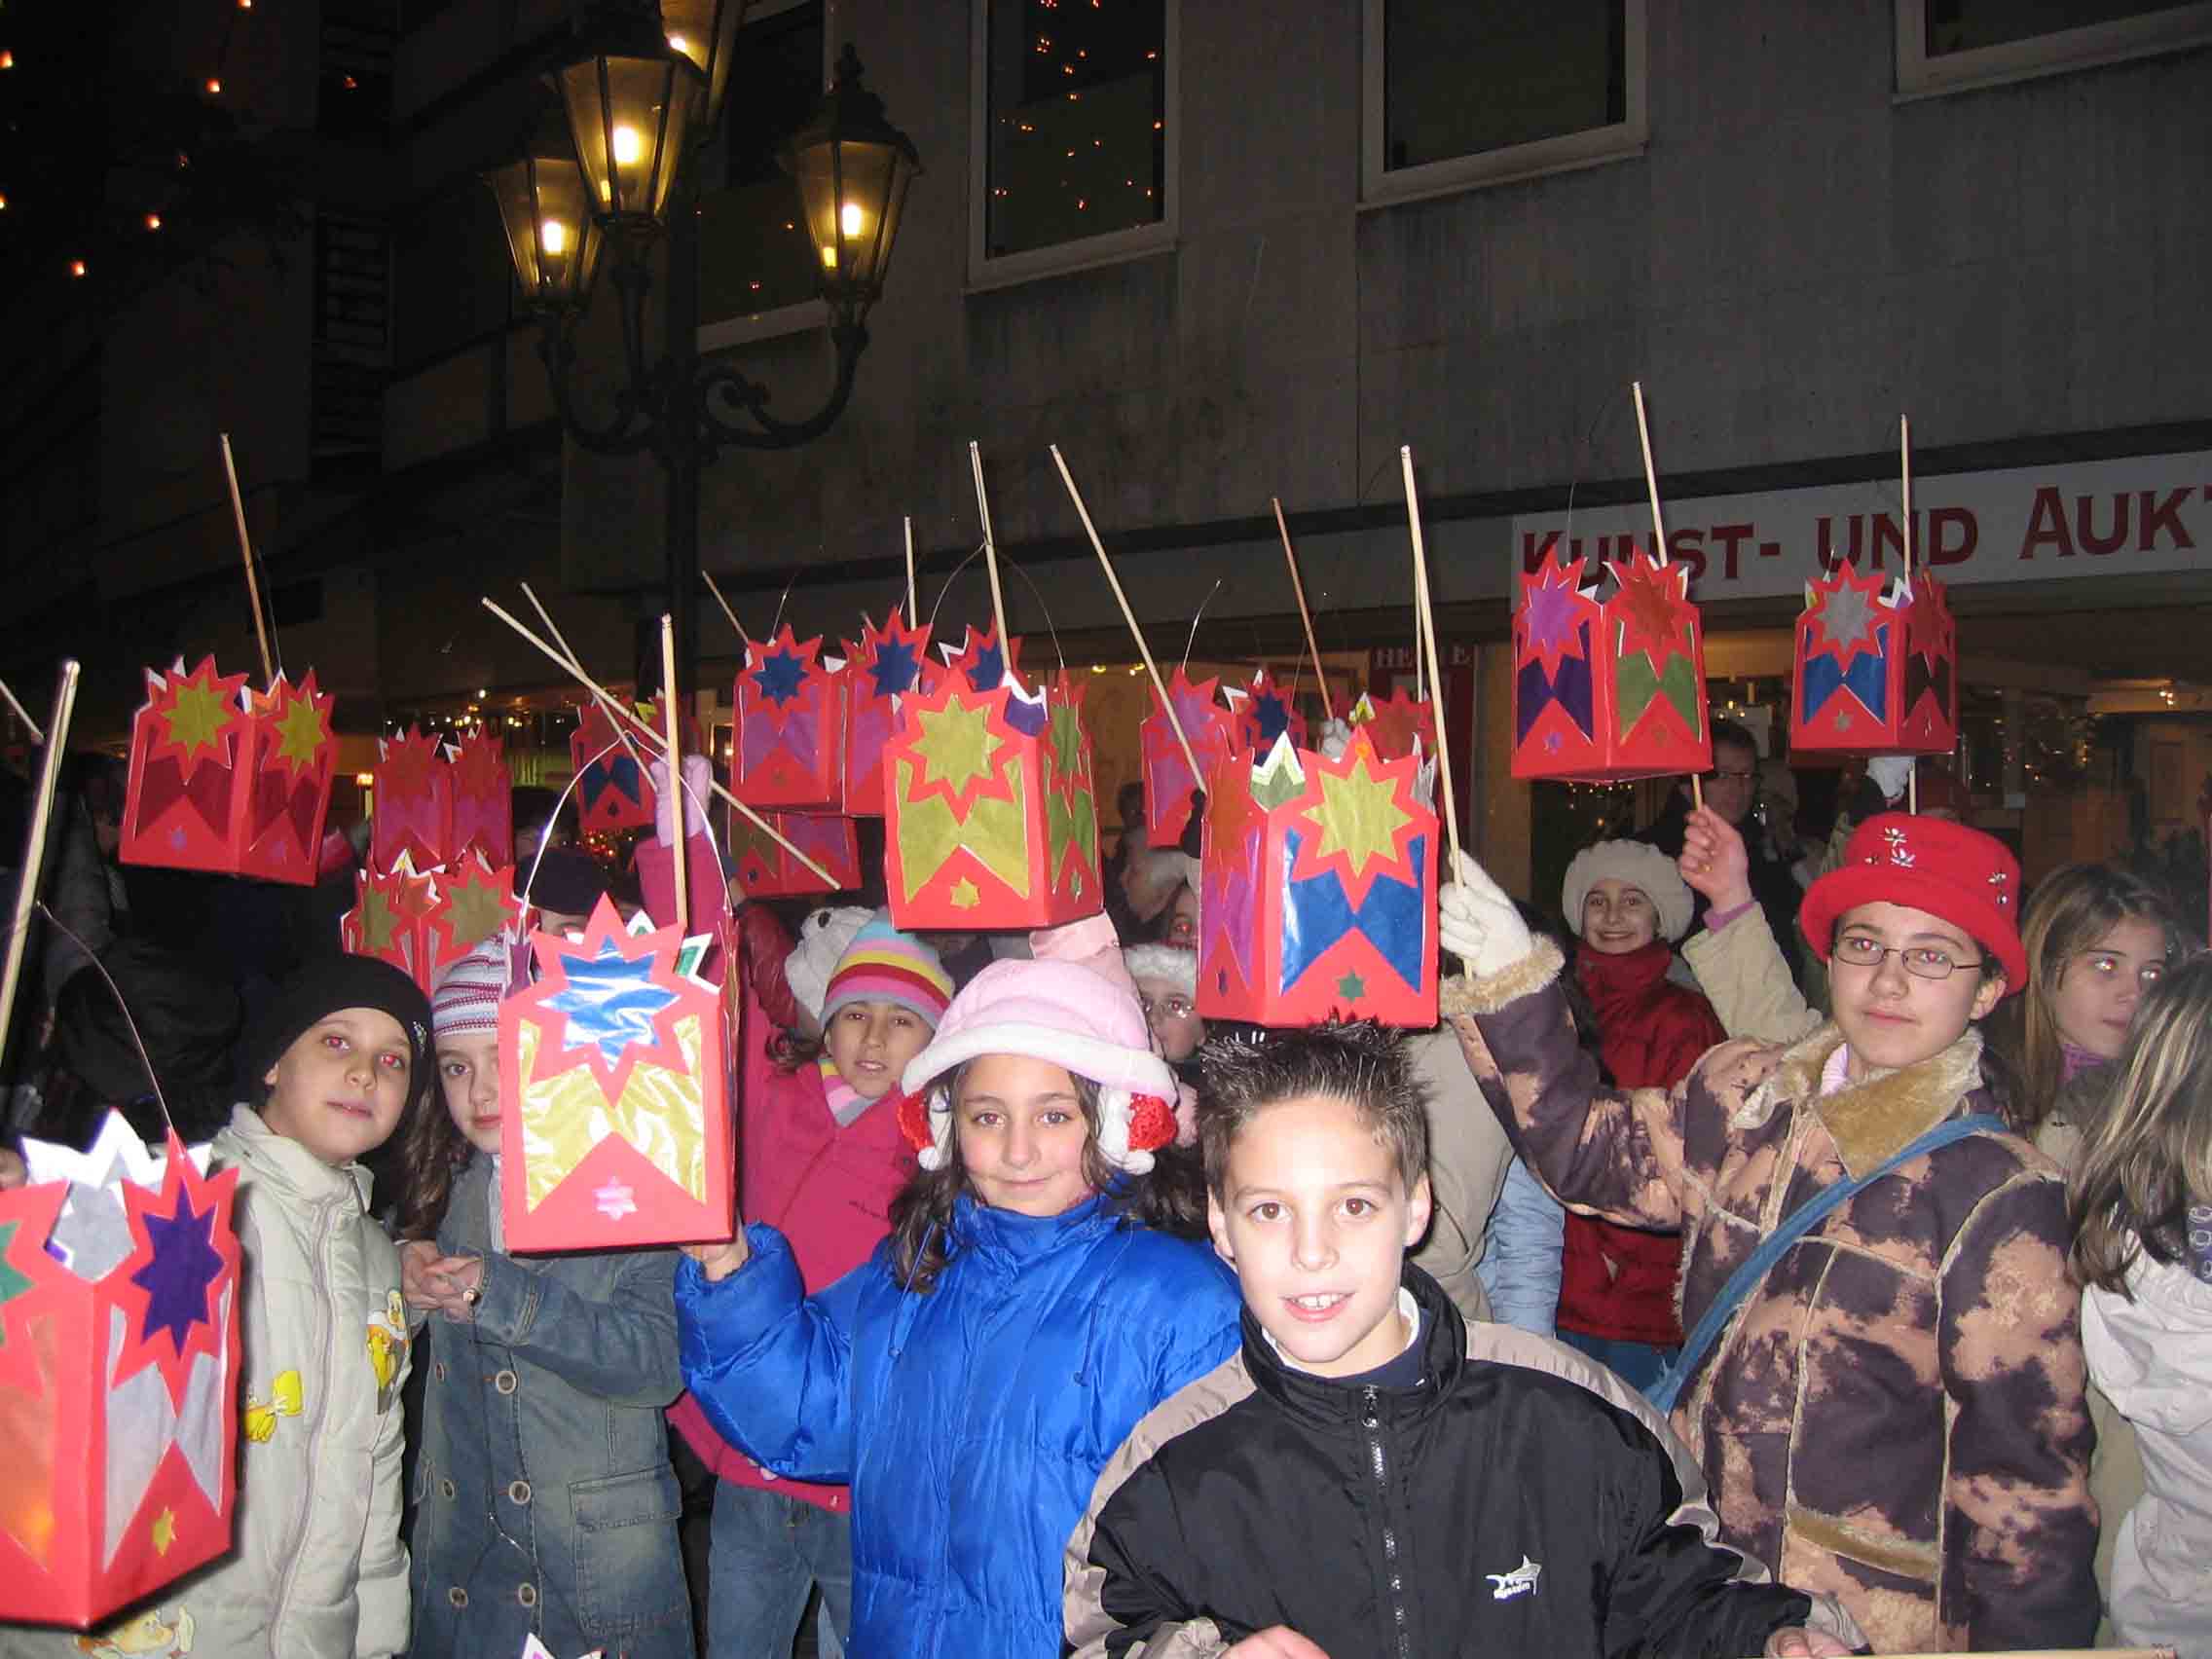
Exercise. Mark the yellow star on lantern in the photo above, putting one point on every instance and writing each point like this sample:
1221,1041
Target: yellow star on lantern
196,718
955,744
1359,815
965,895
165,1532
475,910
301,733
379,921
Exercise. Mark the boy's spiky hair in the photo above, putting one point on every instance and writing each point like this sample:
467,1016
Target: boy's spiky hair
1359,1062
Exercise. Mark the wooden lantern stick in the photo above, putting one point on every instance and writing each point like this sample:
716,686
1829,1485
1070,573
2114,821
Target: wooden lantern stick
1198,778
1298,590
34,846
913,597
736,626
23,714
1658,529
1904,464
245,549
681,849
575,665
1424,625
990,546
621,717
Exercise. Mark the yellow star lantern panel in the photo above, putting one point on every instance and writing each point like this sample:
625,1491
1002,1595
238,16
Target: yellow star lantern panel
474,902
1366,818
294,758
299,724
198,714
989,819
618,1131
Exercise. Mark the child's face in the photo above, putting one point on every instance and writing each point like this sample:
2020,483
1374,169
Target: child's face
1022,1134
1183,920
1892,1018
1173,1015
1617,918
2097,990
468,1071
869,1043
340,1088
1317,1220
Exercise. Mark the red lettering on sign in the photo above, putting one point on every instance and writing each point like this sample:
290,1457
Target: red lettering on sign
1952,534
2156,516
2046,525
1688,545
1888,537
1533,548
1730,537
2085,507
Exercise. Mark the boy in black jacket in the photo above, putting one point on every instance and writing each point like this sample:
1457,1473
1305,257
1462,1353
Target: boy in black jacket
1370,1475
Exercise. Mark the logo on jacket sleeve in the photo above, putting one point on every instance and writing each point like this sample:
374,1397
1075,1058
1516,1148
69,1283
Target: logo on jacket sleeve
1520,1581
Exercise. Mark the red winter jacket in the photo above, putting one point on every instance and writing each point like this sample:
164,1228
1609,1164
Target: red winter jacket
1619,1281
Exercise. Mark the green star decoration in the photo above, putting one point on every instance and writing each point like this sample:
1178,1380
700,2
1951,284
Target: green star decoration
1067,739
1352,987
476,912
196,718
379,921
955,744
11,1282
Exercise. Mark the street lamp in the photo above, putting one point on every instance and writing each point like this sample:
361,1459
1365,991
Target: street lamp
646,96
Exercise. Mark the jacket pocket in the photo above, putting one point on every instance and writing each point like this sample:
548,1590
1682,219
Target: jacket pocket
629,1565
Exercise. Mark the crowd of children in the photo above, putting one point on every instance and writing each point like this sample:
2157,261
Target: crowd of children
1055,1321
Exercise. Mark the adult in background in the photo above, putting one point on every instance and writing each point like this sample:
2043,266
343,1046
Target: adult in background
1731,790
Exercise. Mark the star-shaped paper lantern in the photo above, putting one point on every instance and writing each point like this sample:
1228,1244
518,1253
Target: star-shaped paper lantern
407,762
611,1000
1843,610
1651,609
1364,819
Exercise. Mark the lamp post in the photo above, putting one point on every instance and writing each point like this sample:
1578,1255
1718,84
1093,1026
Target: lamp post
638,109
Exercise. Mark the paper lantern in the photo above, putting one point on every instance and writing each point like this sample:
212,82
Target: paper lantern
1318,890
228,780
1264,711
437,804
787,748
1605,692
617,1132
992,822
886,664
1398,727
1167,782
119,1375
768,870
1876,671
612,789
980,660
483,802
423,923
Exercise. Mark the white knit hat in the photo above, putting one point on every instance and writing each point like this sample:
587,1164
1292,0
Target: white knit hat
1177,965
823,940
1641,866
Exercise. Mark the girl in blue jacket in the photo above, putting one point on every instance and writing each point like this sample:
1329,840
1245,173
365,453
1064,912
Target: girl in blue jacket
1042,1289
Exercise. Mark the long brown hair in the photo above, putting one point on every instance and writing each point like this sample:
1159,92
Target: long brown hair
2149,1154
2072,909
1171,1197
432,1151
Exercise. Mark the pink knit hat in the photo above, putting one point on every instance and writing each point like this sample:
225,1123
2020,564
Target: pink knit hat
468,993
1065,1013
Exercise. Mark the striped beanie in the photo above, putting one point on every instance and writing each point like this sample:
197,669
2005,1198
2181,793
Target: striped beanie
884,965
468,993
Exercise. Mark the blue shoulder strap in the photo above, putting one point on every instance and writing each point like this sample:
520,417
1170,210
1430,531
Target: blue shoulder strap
1667,1386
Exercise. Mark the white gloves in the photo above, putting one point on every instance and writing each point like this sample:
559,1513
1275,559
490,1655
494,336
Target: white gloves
1336,738
699,780
1477,922
1891,773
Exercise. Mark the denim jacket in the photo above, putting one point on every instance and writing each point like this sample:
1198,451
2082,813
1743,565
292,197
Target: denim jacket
545,1502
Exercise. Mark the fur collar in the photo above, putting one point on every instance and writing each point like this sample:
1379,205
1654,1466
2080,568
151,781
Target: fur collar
1873,1120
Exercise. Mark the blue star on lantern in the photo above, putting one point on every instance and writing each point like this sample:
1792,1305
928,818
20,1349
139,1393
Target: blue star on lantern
611,1001
183,1264
989,670
780,676
1273,715
894,668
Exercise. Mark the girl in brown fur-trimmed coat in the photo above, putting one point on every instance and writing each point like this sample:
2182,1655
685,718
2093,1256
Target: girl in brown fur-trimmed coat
1895,1413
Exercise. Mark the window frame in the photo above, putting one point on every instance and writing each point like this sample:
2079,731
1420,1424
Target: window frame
1381,186
1087,253
801,316
2088,47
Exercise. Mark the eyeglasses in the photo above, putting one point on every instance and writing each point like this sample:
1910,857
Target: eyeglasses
1921,961
1173,1007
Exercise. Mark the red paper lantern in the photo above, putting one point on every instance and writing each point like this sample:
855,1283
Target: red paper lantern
612,789
1264,711
1397,724
1877,669
887,664
423,924
119,1378
1167,782
228,780
992,822
787,747
1606,692
617,1132
1319,890
413,815
766,870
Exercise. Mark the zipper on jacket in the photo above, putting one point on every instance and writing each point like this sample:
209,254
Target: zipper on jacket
279,1608
1393,1570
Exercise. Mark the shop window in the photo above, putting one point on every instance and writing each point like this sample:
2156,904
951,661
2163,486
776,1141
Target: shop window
1952,45
1073,135
1458,96
758,272
450,278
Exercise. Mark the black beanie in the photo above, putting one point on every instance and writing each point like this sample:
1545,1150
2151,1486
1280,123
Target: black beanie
567,883
324,985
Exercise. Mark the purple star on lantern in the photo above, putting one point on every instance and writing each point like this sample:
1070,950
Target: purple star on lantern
894,668
780,676
1549,616
183,1264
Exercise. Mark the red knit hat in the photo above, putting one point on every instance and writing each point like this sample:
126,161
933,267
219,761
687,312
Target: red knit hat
1930,863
